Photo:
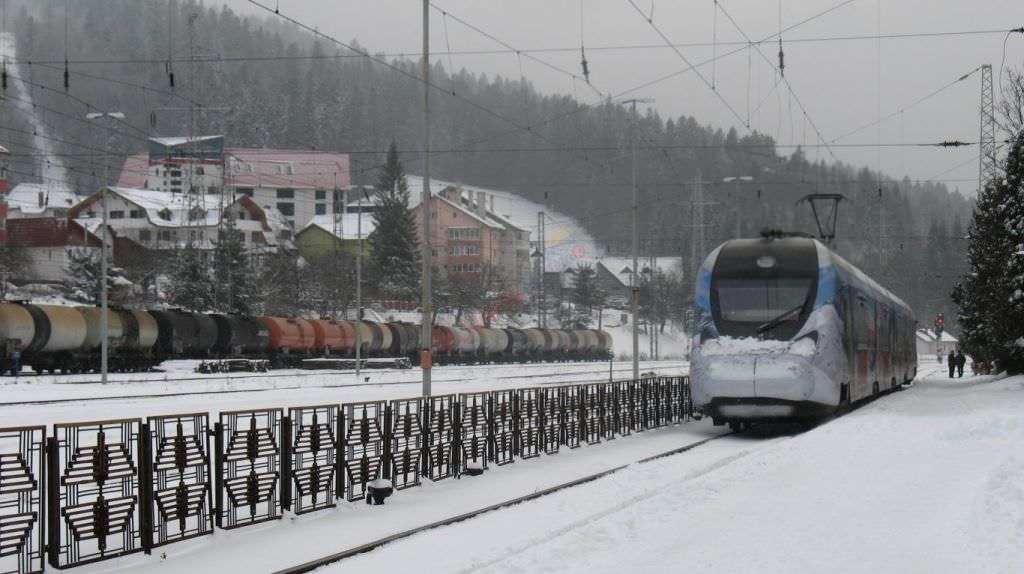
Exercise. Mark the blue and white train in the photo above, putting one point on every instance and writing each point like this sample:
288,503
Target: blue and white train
786,330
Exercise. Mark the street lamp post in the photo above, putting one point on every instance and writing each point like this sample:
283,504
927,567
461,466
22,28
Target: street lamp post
104,327
635,288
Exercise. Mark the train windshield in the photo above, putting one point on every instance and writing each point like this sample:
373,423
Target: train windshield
764,289
760,300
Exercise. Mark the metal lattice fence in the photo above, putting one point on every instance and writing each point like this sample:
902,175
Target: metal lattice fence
248,467
21,500
104,489
93,491
176,483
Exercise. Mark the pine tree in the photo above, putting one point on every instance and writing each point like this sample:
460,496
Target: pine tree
191,286
232,271
990,296
394,261
83,283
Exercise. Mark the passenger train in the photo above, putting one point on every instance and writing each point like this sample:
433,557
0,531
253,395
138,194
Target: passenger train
49,338
787,330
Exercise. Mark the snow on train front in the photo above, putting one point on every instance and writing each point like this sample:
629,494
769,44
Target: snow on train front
767,342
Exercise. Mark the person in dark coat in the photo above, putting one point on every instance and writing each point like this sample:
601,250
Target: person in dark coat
951,363
961,360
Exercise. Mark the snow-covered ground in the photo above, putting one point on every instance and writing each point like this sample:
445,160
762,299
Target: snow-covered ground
927,480
45,399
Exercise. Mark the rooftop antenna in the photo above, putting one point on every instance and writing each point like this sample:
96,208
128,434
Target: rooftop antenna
825,207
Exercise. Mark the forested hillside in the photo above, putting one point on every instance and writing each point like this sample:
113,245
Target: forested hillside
267,84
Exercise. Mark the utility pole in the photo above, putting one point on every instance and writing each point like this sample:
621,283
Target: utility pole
104,325
635,287
542,319
425,335
359,286
988,166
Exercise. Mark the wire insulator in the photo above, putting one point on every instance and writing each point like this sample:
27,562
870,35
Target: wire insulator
586,68
3,77
67,76
782,60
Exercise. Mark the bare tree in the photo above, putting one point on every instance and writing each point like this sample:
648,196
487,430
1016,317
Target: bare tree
1011,107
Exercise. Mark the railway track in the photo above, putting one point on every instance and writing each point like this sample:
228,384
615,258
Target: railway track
369,546
571,377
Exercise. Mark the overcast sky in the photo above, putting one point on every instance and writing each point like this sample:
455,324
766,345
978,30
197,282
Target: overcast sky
844,84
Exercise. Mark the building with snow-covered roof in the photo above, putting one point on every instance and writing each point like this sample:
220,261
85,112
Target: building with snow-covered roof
326,235
469,240
37,200
158,220
47,243
298,183
928,345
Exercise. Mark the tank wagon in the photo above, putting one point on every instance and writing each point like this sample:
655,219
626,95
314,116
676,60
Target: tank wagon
50,338
785,329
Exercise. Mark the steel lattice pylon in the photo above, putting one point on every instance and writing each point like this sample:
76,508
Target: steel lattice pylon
987,164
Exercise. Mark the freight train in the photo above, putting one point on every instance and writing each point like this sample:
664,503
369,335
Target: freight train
787,330
51,338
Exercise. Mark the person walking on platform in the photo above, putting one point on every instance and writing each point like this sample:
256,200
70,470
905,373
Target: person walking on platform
951,363
961,360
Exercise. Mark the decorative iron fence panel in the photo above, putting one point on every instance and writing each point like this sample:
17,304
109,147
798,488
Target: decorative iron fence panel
592,413
177,479
364,446
311,472
608,409
405,441
93,484
529,422
472,430
440,437
551,413
572,415
248,467
21,499
501,411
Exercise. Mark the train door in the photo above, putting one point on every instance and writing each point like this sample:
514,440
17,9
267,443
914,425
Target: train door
847,305
884,361
865,341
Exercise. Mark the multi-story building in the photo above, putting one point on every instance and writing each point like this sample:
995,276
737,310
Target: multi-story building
470,240
300,184
159,220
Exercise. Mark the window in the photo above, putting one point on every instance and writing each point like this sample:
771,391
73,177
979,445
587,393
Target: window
433,252
464,250
433,215
246,191
176,182
286,208
117,214
321,195
175,173
467,267
464,233
200,171
321,209
257,237
135,214
164,236
144,235
286,193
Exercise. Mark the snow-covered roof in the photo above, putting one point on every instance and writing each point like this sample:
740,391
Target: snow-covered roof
164,209
617,266
929,336
182,140
347,222
25,198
